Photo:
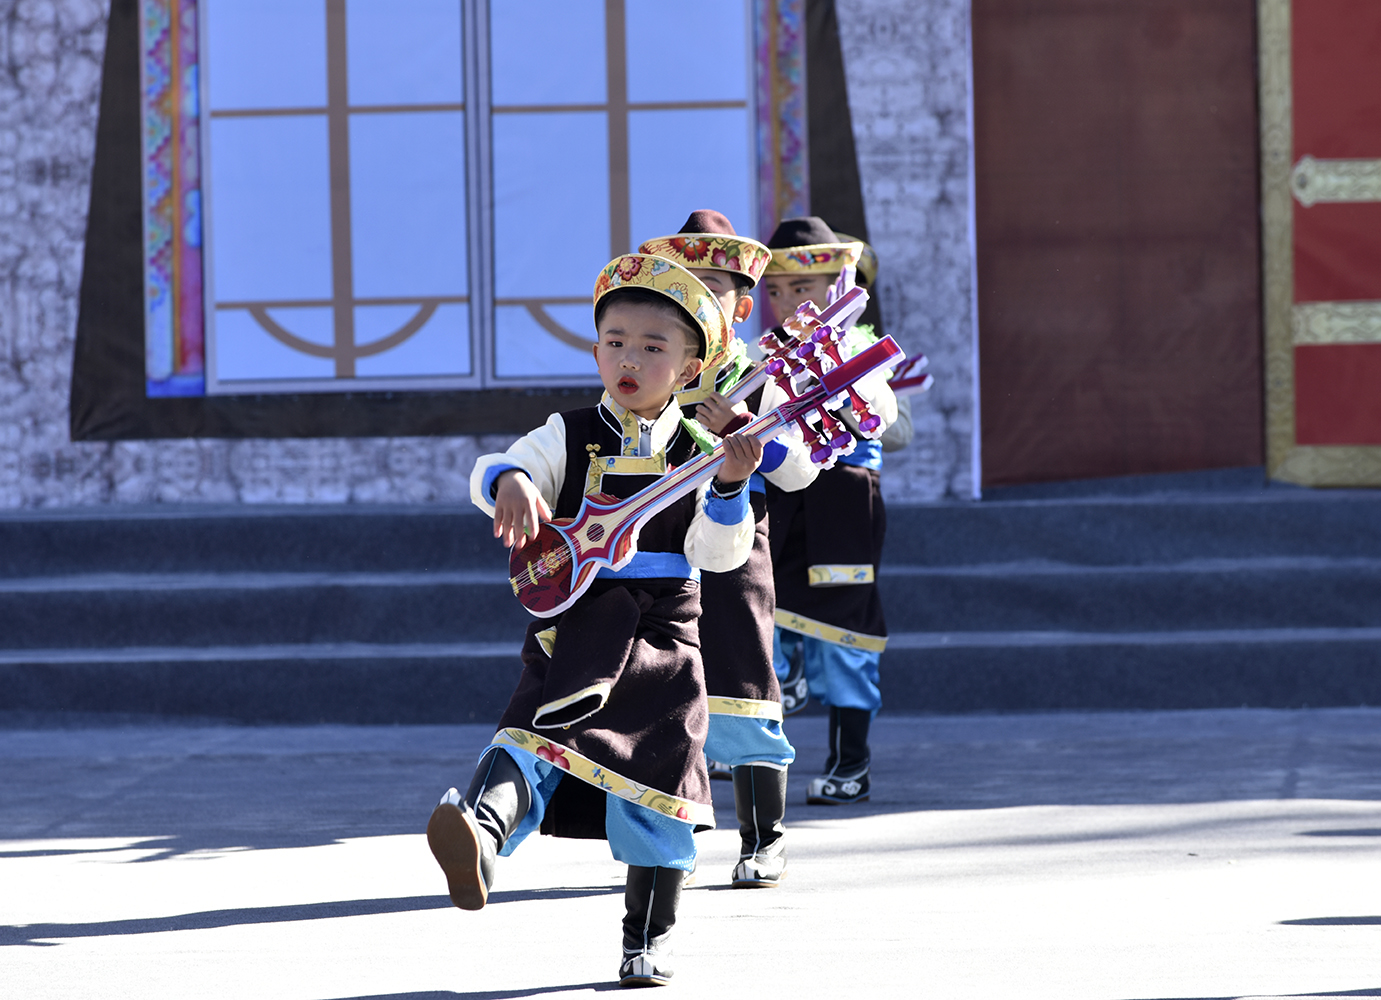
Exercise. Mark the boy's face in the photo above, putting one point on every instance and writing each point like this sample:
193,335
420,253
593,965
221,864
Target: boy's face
644,356
787,291
736,309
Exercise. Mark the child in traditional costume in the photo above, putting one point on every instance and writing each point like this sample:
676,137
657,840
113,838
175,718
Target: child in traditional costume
827,539
736,644
604,736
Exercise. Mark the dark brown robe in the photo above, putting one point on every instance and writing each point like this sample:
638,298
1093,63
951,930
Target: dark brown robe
637,635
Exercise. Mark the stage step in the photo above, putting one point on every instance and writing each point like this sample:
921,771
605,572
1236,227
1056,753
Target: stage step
1174,599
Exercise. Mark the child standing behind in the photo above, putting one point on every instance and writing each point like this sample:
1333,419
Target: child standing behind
827,540
604,736
744,696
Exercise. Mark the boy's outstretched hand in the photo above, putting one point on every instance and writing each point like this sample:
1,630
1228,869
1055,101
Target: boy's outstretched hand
518,509
742,456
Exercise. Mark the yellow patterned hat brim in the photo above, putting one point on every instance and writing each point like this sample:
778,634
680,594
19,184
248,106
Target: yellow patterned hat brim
820,258
657,274
735,254
867,260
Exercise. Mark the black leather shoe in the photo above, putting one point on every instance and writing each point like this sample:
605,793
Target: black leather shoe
466,835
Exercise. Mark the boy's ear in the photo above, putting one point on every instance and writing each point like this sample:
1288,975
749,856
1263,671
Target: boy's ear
743,308
694,366
594,349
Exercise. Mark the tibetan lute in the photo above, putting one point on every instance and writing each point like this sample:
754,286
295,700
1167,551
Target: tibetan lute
556,566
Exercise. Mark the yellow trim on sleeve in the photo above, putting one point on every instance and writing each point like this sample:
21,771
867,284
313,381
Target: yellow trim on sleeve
841,575
591,773
751,708
547,640
600,690
829,633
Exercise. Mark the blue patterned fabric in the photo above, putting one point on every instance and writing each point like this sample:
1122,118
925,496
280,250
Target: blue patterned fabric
637,835
837,675
739,739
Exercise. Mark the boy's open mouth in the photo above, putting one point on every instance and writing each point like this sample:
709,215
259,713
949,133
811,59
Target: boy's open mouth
628,386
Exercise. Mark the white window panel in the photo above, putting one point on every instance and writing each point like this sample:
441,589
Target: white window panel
271,202
665,185
440,347
407,196
546,52
402,54
688,51
265,53
551,203
525,349
246,353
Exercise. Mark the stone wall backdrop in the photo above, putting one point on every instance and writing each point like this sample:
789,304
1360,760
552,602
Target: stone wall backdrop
908,83
907,64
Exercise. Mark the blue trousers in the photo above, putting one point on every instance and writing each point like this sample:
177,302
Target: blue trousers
637,835
842,676
740,739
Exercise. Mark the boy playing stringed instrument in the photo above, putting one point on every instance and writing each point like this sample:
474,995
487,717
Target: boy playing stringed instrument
744,695
612,692
827,540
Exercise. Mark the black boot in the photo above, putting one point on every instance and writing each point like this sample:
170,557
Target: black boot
650,903
846,770
466,835
760,801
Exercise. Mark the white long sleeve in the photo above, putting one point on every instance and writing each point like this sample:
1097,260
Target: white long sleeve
541,454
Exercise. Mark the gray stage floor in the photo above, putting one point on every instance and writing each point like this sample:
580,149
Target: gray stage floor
1217,854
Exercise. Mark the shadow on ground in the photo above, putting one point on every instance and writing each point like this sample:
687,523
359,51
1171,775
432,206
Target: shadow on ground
175,790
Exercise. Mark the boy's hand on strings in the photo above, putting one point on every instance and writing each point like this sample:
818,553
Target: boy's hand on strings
518,509
742,456
715,412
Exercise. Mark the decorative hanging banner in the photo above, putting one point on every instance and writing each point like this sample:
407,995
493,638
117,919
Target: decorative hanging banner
174,357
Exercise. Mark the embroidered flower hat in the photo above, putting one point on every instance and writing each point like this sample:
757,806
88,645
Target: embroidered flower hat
867,260
707,239
657,274
808,246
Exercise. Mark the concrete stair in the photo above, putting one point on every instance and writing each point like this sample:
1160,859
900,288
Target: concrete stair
268,615
1170,597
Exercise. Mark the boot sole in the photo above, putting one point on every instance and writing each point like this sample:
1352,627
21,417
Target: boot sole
644,981
455,844
756,883
816,800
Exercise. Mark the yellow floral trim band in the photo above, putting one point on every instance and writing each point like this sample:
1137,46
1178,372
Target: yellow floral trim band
715,252
657,274
829,633
840,575
820,258
599,692
602,778
771,710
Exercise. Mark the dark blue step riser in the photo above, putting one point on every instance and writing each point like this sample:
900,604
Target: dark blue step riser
1109,534
1287,675
488,612
410,614
360,539
1133,601
1227,675
364,692
458,538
